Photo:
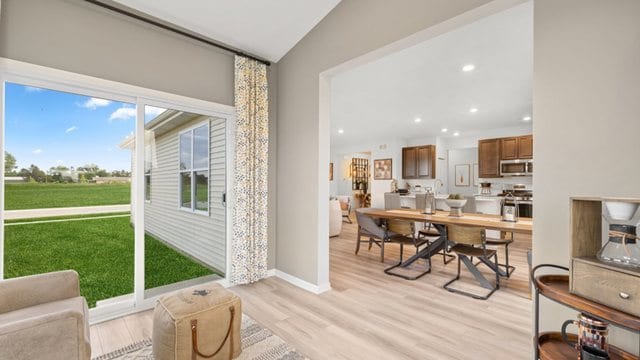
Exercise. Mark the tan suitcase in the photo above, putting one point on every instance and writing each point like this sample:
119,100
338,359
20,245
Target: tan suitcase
201,322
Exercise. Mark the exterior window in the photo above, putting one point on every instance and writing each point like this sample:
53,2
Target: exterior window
147,175
194,169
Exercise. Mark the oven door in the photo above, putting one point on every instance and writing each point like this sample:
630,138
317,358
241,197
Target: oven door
513,168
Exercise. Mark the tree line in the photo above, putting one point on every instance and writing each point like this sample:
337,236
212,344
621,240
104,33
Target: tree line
59,173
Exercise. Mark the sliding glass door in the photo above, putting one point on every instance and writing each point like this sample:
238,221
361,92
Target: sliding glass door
129,193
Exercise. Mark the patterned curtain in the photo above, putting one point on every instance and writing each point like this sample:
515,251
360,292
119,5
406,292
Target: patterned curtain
249,245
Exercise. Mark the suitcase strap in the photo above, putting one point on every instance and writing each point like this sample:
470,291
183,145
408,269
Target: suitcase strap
194,337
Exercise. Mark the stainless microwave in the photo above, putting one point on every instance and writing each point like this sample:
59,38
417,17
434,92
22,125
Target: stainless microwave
519,167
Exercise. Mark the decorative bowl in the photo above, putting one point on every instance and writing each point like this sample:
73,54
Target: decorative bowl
455,203
621,211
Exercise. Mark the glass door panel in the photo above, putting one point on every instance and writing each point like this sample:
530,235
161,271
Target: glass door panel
68,189
184,213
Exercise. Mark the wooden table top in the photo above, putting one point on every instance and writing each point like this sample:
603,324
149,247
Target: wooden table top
490,222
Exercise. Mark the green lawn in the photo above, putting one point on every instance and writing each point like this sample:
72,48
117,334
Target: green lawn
100,250
38,196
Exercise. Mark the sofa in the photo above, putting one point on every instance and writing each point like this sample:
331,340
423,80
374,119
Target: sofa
44,317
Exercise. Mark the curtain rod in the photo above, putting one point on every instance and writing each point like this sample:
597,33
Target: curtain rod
174,30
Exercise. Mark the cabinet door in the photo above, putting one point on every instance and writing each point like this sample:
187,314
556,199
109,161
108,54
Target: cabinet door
409,162
424,162
525,147
509,148
489,158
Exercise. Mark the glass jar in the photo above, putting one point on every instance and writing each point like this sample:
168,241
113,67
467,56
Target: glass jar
622,247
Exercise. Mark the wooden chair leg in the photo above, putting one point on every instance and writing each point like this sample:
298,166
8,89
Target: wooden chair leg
358,242
382,250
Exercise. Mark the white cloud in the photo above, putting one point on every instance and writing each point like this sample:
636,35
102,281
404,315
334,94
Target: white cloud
94,103
123,113
71,129
153,111
37,151
32,89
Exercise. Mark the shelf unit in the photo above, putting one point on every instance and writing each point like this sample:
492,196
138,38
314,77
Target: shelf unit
549,345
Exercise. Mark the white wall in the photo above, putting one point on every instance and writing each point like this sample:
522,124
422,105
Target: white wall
586,123
468,156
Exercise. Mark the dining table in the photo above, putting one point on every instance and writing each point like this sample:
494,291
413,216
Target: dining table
442,218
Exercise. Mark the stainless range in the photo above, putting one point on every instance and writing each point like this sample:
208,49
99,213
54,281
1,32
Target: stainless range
522,196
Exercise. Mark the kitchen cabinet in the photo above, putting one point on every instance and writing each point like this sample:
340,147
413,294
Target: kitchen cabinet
525,147
509,148
419,162
517,147
489,158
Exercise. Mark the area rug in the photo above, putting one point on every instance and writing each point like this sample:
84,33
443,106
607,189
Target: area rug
258,343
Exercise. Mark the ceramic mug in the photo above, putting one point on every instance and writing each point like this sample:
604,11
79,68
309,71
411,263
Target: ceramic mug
591,332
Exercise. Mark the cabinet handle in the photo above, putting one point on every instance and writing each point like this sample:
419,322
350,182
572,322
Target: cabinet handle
624,295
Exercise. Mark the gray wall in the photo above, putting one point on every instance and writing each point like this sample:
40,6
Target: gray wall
586,123
76,36
353,28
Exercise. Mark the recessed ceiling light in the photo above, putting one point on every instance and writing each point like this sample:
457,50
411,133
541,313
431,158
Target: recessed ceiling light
473,110
526,118
444,130
340,131
468,67
456,134
417,120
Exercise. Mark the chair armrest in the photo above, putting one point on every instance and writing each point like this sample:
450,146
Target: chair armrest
33,290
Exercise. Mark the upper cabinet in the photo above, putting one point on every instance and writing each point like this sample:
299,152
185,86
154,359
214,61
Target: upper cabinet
491,151
525,147
509,148
517,147
489,158
419,162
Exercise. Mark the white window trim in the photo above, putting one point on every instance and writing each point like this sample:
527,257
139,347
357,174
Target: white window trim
39,76
193,170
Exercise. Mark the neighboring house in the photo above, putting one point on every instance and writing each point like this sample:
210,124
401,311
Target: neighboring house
111,180
185,182
71,173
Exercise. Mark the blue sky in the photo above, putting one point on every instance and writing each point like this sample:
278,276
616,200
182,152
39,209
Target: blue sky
49,128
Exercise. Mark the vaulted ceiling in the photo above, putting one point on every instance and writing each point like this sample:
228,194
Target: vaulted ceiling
265,28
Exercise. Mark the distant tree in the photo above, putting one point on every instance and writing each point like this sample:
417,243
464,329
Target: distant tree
9,163
90,168
102,173
37,174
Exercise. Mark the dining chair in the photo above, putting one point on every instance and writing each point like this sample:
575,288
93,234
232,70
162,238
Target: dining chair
506,238
391,201
471,242
403,232
372,229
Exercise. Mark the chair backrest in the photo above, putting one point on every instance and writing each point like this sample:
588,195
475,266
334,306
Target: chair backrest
391,201
369,224
345,201
402,227
468,235
421,201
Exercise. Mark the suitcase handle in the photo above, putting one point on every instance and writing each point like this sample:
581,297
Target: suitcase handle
194,337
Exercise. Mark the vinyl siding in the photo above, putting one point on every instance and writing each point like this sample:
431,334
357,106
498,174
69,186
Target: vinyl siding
200,236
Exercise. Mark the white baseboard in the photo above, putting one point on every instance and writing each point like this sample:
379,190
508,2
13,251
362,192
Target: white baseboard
316,289
271,272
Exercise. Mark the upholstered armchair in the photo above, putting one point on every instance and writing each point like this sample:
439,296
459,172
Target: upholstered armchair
44,317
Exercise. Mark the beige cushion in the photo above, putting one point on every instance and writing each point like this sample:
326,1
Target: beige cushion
209,304
52,331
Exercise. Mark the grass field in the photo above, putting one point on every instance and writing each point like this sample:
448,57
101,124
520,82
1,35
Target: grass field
100,250
38,196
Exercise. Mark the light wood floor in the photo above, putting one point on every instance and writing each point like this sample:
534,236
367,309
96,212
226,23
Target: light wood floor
370,315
